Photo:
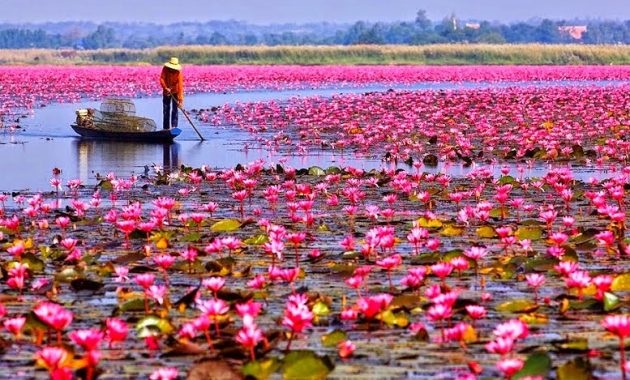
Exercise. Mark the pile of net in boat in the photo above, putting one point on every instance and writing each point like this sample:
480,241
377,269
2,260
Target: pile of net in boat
115,115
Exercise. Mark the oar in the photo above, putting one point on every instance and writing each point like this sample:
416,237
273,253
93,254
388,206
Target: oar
187,117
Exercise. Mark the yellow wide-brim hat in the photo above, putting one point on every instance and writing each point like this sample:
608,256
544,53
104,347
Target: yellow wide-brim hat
173,63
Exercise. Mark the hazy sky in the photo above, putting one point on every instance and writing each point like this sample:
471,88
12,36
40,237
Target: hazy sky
279,11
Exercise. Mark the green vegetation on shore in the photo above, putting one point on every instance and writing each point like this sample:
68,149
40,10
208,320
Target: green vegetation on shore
531,54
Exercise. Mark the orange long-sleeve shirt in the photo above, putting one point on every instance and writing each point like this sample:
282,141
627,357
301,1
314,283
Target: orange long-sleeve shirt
174,80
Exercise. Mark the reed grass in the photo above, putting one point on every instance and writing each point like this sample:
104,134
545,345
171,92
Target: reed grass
447,54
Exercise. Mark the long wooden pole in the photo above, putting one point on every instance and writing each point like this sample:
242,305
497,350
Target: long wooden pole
187,117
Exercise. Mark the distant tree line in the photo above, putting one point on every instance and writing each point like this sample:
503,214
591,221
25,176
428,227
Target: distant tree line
416,32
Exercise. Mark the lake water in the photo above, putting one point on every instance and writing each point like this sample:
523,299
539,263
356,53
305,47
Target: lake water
46,141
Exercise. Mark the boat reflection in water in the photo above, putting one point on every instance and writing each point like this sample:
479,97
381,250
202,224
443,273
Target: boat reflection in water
100,157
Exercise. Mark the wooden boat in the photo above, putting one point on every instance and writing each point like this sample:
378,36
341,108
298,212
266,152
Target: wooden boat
164,135
117,120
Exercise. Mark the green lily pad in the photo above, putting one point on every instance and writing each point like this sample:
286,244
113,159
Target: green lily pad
134,304
226,225
261,369
486,232
576,345
611,302
518,306
578,369
316,171
163,325
529,232
256,240
191,237
394,320
537,364
333,338
333,170
506,179
429,223
540,264
321,309
306,365
35,264
451,230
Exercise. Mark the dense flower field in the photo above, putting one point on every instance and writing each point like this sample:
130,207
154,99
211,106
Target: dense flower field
262,270
590,123
265,270
31,86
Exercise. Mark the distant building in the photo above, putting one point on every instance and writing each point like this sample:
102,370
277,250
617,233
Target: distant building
472,25
573,31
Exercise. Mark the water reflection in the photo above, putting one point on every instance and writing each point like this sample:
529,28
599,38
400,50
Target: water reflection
96,157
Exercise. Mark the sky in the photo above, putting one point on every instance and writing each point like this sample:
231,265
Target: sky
302,11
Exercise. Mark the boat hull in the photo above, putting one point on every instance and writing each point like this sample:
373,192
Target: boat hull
165,135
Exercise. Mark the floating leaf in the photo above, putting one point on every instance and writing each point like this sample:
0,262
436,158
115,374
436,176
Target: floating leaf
578,369
518,306
506,179
35,264
226,225
256,240
451,230
316,171
499,213
105,185
429,223
486,232
333,338
164,326
134,304
529,232
191,237
534,318
621,283
584,304
261,369
611,302
321,309
391,319
577,345
537,364
306,365
541,263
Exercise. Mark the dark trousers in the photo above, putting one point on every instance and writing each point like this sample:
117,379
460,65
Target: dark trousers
169,106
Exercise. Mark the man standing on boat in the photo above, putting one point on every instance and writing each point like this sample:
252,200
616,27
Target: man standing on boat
172,82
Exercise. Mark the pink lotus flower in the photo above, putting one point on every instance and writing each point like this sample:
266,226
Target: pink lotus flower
165,373
145,280
345,349
54,316
619,325
502,346
52,358
88,339
513,329
116,330
15,325
510,366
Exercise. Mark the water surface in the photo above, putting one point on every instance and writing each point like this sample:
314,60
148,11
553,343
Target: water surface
46,141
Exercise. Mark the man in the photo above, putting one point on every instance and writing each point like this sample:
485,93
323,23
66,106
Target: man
172,82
